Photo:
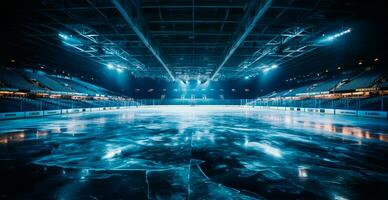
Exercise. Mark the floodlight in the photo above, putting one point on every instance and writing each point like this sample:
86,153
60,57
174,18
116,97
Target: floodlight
110,66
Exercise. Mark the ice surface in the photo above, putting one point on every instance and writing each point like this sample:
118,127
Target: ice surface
194,153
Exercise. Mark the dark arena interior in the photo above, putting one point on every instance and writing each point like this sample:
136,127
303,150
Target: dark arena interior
193,99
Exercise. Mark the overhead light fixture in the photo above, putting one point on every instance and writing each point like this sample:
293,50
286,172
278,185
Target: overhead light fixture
274,66
110,66
266,69
63,36
337,35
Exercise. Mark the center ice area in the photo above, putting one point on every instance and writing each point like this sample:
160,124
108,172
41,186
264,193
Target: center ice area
260,153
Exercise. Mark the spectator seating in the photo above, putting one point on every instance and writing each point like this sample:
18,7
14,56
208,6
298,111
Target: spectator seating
12,79
364,80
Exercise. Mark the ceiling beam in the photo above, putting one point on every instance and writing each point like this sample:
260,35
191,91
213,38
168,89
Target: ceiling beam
258,8
188,21
131,12
152,5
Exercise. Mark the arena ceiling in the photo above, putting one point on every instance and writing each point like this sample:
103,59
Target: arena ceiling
187,39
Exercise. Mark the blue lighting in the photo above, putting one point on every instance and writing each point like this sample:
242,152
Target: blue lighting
246,77
63,36
110,66
69,40
119,70
335,36
267,68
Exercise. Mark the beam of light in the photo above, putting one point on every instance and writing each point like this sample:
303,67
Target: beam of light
69,40
266,69
110,66
119,70
63,36
246,77
335,36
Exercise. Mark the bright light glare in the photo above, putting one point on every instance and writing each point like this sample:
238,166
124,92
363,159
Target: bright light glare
302,172
110,66
265,148
246,78
119,70
110,153
266,69
333,37
274,66
63,36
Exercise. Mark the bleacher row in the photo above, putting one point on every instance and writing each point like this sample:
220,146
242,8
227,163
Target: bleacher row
38,81
339,84
32,83
21,104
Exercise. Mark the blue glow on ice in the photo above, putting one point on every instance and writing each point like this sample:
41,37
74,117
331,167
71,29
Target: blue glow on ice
202,152
265,148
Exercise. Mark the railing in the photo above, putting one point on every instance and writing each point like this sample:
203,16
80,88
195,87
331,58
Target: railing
20,104
372,103
193,101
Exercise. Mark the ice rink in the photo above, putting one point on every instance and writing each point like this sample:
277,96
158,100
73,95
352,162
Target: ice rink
203,152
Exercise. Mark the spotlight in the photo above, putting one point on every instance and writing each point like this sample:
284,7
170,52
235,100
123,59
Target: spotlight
63,36
246,77
119,70
110,66
333,37
274,66
266,69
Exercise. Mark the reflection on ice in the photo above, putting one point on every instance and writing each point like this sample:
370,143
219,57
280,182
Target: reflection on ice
265,148
302,172
198,153
111,152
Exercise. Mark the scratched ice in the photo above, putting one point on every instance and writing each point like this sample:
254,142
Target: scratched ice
194,153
